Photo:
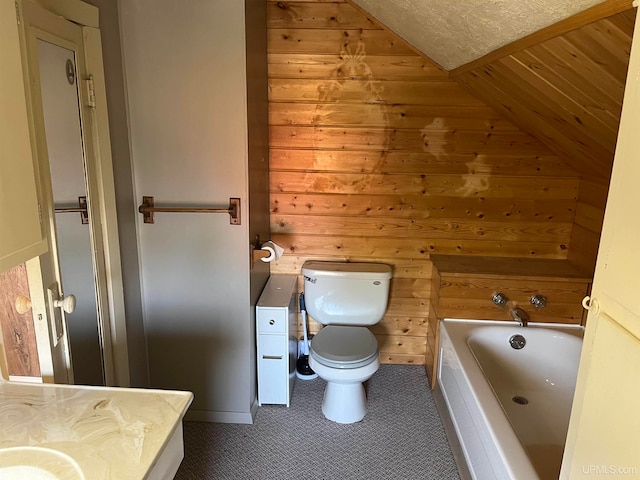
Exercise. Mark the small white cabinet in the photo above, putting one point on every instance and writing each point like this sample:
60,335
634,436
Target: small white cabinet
276,340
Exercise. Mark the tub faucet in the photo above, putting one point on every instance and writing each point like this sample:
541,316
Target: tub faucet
520,316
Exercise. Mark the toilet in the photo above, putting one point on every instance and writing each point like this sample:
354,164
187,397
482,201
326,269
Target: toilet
346,298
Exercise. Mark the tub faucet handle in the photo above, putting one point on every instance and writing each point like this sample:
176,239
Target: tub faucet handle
500,299
539,301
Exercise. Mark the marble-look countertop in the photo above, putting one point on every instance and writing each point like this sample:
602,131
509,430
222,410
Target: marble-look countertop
112,433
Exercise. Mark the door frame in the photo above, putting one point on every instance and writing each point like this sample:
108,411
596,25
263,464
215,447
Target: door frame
100,180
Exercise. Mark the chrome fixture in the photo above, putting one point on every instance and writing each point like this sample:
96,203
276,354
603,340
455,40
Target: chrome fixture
539,301
500,299
517,341
520,316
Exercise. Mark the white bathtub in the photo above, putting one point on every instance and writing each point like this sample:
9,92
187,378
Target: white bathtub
510,408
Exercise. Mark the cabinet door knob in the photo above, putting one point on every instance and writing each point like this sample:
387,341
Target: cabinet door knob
272,322
591,304
23,304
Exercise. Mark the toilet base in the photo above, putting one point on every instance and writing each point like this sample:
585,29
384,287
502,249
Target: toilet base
344,402
344,398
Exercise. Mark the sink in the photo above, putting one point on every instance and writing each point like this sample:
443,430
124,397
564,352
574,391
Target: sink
37,463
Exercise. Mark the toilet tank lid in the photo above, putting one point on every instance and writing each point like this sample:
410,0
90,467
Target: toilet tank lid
377,271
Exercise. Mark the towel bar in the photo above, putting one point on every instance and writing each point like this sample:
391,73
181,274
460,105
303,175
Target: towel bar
148,208
81,209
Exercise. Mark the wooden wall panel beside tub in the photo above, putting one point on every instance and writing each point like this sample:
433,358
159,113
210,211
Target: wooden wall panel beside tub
466,286
377,155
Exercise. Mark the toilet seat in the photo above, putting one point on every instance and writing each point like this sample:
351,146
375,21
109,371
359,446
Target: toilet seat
338,346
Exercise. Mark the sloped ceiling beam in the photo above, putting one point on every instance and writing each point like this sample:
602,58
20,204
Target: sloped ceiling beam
586,17
453,34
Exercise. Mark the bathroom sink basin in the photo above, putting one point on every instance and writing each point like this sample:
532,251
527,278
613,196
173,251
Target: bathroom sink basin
37,463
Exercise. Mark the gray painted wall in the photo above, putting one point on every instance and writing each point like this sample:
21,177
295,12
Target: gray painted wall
258,137
198,136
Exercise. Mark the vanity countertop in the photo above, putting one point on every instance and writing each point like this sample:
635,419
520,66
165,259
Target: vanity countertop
112,433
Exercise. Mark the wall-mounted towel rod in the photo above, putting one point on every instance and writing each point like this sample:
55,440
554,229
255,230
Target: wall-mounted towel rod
81,209
148,208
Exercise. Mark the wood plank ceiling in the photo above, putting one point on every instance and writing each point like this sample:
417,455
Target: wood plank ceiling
567,91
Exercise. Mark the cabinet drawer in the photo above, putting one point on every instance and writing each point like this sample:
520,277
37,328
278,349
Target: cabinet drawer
272,321
272,347
273,386
273,363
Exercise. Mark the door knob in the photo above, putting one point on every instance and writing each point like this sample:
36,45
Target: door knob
68,303
23,304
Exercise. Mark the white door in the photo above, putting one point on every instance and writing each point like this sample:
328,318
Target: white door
60,111
604,431
59,89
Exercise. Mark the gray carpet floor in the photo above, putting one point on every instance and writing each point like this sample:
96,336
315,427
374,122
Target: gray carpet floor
401,437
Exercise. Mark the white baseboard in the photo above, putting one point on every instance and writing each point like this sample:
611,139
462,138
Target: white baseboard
223,417
19,378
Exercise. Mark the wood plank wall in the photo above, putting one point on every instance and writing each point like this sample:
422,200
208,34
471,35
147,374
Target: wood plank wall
433,323
568,92
17,329
377,155
462,285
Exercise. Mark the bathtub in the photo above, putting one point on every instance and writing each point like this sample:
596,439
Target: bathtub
509,408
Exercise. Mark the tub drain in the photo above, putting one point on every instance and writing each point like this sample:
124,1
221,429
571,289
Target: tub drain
520,400
517,341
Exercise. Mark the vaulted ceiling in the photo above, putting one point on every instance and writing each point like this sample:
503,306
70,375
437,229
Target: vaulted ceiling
455,32
567,91
556,69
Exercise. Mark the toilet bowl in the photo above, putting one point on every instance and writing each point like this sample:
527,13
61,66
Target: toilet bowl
344,357
345,297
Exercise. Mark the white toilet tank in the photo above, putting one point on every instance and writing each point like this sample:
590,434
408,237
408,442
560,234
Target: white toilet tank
342,293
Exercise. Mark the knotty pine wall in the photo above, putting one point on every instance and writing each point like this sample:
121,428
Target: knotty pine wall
376,155
568,91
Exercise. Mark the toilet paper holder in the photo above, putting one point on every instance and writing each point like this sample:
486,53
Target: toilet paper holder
256,253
